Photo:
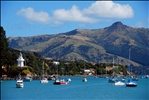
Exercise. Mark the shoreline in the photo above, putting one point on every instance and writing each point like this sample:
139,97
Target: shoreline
50,76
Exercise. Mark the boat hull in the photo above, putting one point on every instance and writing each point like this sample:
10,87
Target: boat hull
27,79
112,80
119,83
43,81
131,84
60,83
19,85
84,79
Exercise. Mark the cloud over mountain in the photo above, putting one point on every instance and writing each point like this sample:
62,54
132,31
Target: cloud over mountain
74,14
109,9
34,16
91,14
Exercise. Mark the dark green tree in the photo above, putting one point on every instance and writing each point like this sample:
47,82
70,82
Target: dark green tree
3,48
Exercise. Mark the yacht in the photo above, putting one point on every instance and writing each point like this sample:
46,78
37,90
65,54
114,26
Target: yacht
27,79
131,84
60,82
43,79
19,83
119,83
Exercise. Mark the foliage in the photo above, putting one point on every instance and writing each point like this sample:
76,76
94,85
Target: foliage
3,48
33,63
91,45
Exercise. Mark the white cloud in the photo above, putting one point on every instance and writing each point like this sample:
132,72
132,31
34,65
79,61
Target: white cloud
109,9
92,14
74,14
31,15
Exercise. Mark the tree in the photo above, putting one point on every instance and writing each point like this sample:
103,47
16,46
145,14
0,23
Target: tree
3,48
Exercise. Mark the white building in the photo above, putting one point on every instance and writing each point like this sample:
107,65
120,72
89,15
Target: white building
20,60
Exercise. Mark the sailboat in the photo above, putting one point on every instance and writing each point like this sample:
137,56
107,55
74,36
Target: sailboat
59,81
119,83
96,73
112,79
106,72
84,78
130,83
43,79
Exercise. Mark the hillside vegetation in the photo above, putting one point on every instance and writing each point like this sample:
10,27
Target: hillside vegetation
94,45
33,64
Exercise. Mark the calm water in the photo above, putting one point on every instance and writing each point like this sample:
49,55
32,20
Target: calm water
95,88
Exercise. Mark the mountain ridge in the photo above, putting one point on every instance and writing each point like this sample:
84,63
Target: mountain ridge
93,45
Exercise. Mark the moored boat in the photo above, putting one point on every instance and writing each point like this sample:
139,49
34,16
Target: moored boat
135,78
19,83
84,79
112,80
60,82
69,79
131,84
119,83
27,79
123,79
146,76
43,79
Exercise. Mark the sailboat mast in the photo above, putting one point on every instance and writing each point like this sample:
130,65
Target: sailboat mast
43,68
113,66
129,62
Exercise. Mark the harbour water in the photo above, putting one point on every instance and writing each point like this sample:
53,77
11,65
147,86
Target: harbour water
94,88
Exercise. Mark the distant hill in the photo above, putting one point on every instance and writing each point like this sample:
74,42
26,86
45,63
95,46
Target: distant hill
92,45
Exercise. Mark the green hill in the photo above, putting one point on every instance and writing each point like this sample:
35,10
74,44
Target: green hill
94,45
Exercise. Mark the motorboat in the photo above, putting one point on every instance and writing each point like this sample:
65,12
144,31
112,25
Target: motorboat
131,84
27,79
84,79
44,80
119,83
19,83
60,82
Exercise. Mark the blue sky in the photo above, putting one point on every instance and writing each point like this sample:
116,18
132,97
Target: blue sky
30,18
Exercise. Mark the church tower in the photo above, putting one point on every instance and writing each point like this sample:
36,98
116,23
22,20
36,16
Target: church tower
20,60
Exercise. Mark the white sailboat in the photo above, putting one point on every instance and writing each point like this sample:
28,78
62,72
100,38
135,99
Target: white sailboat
84,78
113,78
43,79
119,83
130,83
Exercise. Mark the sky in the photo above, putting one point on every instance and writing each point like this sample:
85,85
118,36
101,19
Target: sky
31,18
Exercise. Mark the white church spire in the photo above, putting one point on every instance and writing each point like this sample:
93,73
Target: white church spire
20,60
